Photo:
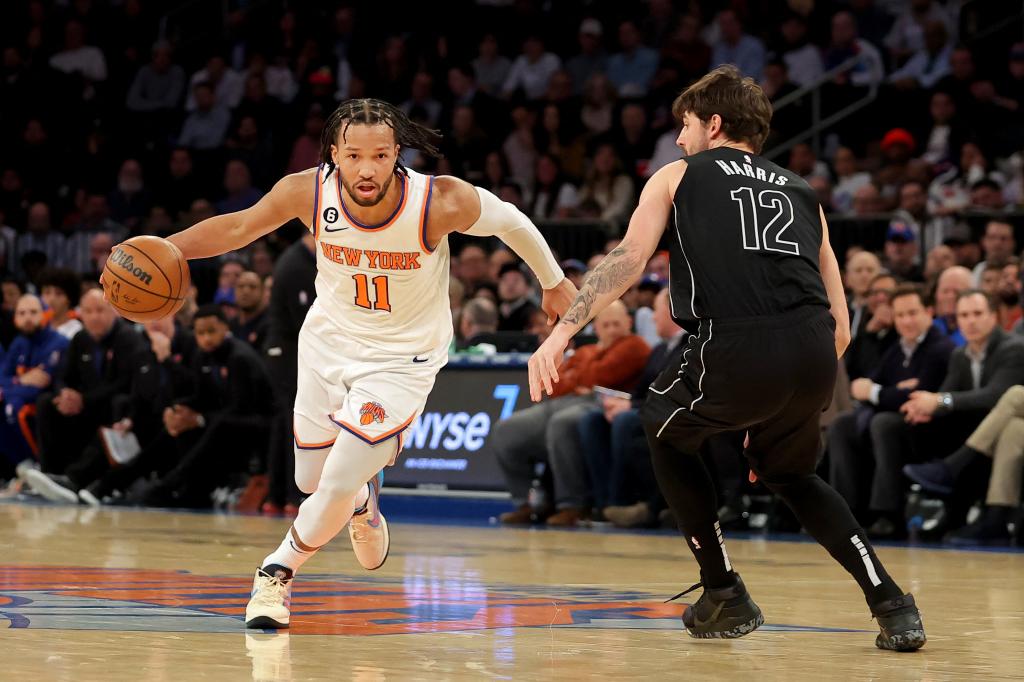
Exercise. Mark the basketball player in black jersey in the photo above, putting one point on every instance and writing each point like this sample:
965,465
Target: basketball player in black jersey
755,281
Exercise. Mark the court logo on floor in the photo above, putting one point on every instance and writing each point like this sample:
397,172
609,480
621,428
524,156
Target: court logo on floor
80,598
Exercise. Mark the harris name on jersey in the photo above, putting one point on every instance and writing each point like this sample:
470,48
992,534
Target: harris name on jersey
750,170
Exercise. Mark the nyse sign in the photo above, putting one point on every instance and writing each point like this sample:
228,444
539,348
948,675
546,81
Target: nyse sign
446,445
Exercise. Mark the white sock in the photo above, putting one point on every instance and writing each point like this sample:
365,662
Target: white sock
362,497
289,553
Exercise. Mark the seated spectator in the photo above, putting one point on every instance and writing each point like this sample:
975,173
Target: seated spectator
909,33
952,282
943,139
531,70
130,200
230,270
848,179
60,290
161,372
845,44
872,431
736,47
180,187
901,251
100,364
473,268
1000,436
867,201
986,195
520,147
979,374
998,245
238,185
805,163
516,301
950,191
929,64
591,58
991,279
40,238
28,368
479,319
467,145
559,137
876,334
422,106
633,140
612,436
644,323
938,260
632,68
95,220
78,58
897,150
157,86
490,67
553,195
598,110
861,269
608,187
251,324
1010,290
230,412
226,84
913,209
207,126
547,431
802,57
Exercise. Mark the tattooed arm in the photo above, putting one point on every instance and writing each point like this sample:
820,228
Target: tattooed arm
612,276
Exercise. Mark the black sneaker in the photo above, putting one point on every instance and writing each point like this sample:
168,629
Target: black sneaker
721,613
900,624
933,476
987,530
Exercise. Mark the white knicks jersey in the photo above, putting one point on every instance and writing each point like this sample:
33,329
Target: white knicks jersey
380,284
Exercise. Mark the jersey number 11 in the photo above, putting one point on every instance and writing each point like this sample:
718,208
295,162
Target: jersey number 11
380,290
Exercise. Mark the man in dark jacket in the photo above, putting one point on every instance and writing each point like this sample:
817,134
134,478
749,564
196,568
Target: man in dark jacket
230,411
98,366
251,324
162,373
290,299
873,431
874,334
26,370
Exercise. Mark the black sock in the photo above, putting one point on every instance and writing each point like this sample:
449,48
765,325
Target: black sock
690,493
997,513
961,459
828,519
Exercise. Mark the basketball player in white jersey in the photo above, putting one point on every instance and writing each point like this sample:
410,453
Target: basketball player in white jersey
381,325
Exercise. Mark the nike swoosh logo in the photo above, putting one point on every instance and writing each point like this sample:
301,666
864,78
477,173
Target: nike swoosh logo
335,229
697,622
416,359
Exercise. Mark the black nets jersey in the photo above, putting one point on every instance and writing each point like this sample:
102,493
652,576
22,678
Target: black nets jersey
747,234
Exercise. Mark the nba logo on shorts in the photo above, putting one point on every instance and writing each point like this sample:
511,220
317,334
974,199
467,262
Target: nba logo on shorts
370,412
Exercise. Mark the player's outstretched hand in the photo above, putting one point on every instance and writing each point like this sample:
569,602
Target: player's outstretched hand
558,299
544,363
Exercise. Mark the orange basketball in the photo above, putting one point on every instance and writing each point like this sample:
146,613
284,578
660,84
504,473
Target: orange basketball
146,278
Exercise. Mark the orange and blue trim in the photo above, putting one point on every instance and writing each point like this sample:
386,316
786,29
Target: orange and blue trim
380,226
316,202
424,214
373,440
310,446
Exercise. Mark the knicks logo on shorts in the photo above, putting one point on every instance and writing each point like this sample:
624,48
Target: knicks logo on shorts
371,412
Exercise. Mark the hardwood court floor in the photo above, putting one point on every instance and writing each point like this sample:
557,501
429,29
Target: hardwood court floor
142,595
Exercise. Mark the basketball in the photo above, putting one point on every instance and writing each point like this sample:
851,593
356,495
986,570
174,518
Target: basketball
146,278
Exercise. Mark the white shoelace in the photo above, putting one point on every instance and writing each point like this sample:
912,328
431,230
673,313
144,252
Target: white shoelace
271,591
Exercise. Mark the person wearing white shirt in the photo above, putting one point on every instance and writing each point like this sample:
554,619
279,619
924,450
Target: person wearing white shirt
803,60
929,64
666,150
228,85
77,57
532,70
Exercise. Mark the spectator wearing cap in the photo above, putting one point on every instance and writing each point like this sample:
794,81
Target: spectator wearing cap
591,58
60,290
632,68
998,244
515,303
845,44
575,270
206,127
531,70
736,47
902,251
897,147
226,83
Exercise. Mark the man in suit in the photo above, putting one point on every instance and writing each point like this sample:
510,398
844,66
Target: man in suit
980,373
874,431
874,333
611,432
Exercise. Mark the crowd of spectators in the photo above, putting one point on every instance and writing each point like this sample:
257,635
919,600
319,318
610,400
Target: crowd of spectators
127,118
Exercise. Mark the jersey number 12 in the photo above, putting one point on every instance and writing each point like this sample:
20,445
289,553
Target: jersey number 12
772,208
380,290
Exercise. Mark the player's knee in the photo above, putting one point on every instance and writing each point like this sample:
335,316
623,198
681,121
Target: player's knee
306,483
339,489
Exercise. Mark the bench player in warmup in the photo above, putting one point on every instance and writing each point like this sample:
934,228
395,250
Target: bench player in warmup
380,328
753,274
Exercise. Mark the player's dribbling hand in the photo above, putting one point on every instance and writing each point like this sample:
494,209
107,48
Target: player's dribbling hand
558,299
544,363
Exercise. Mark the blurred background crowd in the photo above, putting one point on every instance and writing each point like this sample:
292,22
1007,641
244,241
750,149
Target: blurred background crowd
128,117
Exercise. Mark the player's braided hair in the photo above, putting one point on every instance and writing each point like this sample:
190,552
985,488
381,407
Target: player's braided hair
373,112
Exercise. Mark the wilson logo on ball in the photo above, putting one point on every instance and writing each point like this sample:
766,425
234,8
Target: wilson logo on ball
125,261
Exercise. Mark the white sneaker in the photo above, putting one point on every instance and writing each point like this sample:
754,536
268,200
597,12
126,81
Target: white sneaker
49,487
270,603
369,530
87,496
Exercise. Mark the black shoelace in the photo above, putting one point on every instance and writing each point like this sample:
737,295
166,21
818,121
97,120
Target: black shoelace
685,592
